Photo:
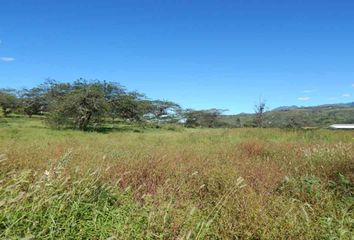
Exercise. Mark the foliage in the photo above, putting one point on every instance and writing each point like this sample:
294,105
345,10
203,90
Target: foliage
82,104
8,101
164,111
86,104
296,118
33,101
203,118
130,106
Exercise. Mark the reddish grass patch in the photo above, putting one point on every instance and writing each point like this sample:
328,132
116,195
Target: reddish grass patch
252,149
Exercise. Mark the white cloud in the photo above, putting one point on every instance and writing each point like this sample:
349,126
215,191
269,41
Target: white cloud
303,98
7,59
308,91
346,95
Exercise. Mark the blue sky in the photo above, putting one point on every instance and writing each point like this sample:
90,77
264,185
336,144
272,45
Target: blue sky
201,54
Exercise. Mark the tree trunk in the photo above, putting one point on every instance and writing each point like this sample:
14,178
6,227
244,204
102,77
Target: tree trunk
5,112
84,121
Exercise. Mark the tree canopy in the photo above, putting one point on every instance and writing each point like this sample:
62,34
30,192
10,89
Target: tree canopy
83,104
8,101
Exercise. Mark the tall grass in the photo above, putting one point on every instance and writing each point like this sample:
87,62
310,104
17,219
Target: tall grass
168,184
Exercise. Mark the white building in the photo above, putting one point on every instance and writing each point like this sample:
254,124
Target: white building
342,126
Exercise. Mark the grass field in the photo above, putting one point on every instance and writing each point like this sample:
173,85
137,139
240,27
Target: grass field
175,184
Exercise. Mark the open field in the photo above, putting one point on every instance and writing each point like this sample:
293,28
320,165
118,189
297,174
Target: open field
175,184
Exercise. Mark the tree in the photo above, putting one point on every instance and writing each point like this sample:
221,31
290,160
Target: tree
54,92
238,123
82,104
8,101
295,122
111,90
164,111
259,110
203,118
129,106
33,101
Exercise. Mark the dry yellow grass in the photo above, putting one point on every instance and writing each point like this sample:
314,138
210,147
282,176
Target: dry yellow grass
217,184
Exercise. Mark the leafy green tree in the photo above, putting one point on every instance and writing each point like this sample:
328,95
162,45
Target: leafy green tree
33,101
111,90
203,118
238,123
164,111
82,104
129,106
54,92
250,124
8,101
295,122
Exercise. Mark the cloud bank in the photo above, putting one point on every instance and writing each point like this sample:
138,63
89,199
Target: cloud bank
303,98
308,91
7,59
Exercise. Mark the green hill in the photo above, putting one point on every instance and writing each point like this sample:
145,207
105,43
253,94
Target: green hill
293,116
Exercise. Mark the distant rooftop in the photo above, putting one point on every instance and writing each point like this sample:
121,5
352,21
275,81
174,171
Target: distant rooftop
342,126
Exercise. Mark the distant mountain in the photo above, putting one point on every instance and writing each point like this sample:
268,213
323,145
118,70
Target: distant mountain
336,105
295,116
285,108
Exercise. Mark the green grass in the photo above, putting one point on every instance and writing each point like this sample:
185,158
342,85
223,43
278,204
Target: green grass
173,183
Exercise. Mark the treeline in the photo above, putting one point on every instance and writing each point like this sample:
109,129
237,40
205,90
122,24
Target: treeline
86,104
310,117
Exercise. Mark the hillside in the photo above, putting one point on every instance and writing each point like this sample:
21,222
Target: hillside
294,116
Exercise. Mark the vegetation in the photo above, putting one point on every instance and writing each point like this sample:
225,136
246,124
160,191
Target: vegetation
8,101
259,110
152,170
87,105
295,117
203,118
173,183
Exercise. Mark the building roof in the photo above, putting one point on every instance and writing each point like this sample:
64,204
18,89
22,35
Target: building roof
342,126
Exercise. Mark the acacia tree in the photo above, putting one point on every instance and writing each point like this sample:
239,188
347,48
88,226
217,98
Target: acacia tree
81,105
203,118
33,101
84,102
8,101
130,106
111,90
164,111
